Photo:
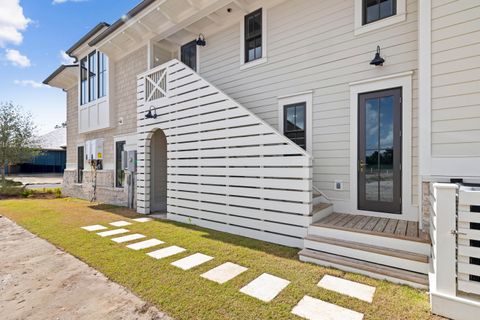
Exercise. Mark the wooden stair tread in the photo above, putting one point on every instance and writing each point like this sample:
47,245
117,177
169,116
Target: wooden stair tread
320,206
367,266
343,224
371,248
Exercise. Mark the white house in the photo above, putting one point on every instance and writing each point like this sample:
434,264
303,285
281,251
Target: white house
323,125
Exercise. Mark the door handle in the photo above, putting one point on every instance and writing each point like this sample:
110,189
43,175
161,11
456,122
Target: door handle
361,165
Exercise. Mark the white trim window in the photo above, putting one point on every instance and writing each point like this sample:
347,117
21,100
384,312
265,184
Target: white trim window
295,118
376,14
93,77
253,39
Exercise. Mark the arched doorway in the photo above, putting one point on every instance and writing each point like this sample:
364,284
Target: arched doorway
158,172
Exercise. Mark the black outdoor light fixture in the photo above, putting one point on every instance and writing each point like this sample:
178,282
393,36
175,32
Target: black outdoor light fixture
201,40
150,114
378,60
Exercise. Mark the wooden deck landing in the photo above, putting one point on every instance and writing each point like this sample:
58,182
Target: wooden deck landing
385,227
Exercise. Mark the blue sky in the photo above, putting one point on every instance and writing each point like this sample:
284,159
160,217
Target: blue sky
33,34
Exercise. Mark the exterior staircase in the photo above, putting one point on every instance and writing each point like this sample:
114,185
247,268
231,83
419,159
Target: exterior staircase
227,169
382,248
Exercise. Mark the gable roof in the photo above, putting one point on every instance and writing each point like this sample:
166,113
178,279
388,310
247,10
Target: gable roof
54,140
120,22
87,36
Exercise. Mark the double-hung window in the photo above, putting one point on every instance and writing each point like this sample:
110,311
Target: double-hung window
93,77
294,126
253,36
374,10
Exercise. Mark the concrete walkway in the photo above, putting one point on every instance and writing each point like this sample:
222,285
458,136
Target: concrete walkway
38,281
38,178
265,287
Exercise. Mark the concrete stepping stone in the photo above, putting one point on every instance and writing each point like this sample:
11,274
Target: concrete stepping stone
348,288
224,272
120,223
112,232
95,227
266,287
191,261
166,252
142,219
315,309
130,237
145,244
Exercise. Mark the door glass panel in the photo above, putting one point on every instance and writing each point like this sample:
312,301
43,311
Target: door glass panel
189,55
371,123
371,175
386,122
379,149
386,175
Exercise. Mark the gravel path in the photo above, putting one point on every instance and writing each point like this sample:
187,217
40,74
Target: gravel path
38,281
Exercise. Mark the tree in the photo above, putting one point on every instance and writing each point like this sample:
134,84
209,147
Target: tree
63,125
17,138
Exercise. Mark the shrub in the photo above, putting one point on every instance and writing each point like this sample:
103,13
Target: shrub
27,193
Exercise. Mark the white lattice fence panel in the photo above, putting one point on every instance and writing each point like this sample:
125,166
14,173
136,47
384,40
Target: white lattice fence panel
469,240
156,85
227,169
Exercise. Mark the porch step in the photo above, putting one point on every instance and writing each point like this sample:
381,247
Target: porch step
373,253
370,269
320,211
345,227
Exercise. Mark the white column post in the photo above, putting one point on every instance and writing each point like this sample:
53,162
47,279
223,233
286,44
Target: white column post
444,239
424,96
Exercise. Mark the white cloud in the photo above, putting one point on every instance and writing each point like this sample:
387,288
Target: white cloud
65,58
17,59
12,22
30,83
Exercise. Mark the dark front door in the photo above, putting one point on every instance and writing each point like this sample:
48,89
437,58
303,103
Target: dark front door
380,151
189,54
80,162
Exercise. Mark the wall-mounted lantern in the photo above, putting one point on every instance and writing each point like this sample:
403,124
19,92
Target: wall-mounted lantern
378,60
201,40
150,114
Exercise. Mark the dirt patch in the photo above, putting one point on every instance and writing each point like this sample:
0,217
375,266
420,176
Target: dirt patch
38,281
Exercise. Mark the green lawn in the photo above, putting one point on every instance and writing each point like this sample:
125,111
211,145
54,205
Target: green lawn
184,294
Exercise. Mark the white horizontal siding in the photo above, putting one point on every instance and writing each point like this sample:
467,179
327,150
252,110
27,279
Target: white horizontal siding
456,78
312,46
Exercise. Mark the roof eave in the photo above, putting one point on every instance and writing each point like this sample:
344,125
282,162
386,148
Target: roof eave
86,37
56,73
120,22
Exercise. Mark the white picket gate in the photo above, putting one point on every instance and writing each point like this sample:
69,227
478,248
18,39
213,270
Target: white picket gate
455,234
227,169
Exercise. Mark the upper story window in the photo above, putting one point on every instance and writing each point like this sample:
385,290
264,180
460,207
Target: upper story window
371,15
374,10
83,81
93,77
253,36
102,75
